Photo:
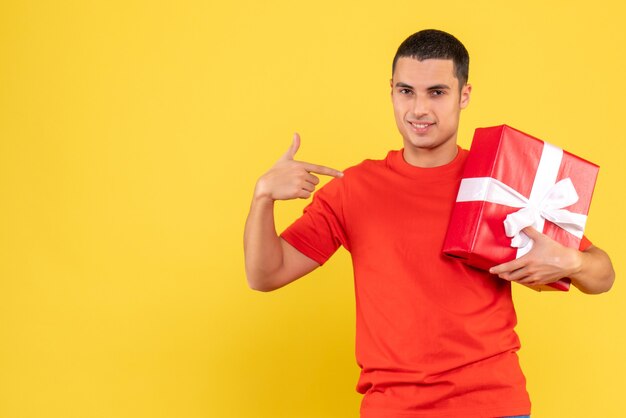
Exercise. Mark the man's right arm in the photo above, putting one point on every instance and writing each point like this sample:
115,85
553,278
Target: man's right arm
270,261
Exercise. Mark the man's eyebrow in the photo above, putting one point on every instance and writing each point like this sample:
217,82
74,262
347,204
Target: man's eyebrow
435,87
439,87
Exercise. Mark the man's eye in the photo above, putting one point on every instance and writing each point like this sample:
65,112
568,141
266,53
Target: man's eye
405,91
437,92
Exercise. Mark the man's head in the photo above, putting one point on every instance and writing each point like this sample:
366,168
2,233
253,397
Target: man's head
428,90
436,44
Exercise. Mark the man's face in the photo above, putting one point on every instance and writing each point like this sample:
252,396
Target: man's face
427,105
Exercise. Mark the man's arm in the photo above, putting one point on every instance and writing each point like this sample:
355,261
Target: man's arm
591,271
596,274
270,261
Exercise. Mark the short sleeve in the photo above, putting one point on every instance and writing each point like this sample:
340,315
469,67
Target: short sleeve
584,244
320,230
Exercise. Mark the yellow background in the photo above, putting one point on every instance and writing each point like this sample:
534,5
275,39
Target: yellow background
131,136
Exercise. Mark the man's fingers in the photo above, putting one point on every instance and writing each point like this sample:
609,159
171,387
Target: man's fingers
320,169
519,274
507,267
311,168
312,179
304,194
293,149
532,233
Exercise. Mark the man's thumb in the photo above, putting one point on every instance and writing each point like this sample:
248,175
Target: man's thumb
532,233
295,145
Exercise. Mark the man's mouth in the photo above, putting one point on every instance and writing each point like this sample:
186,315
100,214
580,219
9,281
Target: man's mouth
421,125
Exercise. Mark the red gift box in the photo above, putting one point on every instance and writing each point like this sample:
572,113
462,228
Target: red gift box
512,180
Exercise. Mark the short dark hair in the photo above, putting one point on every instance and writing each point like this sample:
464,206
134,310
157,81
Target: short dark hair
436,44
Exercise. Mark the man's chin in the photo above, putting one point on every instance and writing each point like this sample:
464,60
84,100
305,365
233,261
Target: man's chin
420,144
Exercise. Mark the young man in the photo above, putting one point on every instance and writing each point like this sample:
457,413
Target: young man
434,337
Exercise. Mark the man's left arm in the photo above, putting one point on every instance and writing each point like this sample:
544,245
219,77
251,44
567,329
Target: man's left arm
591,270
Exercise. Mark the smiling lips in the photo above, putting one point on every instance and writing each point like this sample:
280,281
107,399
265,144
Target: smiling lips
421,126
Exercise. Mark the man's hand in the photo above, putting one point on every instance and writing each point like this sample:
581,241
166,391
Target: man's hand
547,262
591,271
291,179
271,262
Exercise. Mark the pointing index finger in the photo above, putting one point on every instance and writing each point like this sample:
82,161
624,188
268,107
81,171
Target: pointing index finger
320,169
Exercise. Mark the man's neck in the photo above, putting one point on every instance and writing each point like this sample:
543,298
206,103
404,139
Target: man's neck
428,158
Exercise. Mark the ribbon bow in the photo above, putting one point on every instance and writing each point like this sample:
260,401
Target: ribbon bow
532,212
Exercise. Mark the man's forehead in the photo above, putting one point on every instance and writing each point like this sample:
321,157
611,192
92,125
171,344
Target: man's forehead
428,71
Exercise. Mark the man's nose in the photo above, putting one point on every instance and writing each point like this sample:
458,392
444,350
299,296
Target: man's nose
420,106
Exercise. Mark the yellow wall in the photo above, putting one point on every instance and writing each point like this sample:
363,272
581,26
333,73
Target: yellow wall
131,136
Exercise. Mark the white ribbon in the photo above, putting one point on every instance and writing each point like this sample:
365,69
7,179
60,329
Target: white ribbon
547,200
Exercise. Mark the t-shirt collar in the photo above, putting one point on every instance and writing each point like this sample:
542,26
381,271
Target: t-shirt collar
395,160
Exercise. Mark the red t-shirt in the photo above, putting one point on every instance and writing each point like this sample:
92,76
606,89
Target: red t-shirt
434,337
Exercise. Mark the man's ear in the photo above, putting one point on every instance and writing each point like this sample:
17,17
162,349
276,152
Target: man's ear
465,95
391,85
